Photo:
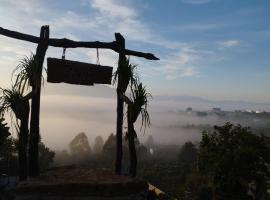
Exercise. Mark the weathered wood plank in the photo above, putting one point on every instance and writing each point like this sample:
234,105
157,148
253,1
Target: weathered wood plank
120,105
67,43
34,136
78,73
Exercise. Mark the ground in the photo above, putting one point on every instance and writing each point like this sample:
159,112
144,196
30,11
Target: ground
81,183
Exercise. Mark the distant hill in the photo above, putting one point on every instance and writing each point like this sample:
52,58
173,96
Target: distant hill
179,102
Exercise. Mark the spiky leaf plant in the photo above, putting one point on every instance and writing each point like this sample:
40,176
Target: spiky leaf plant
137,105
12,99
126,71
140,98
28,74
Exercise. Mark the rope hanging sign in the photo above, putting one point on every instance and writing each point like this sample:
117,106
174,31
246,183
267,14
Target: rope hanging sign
78,73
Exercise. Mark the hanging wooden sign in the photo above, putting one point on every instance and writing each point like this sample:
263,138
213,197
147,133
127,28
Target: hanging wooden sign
78,73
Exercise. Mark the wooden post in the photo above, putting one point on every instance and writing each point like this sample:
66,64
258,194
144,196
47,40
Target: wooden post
120,104
35,105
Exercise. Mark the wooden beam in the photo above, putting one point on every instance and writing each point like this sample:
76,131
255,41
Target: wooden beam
67,43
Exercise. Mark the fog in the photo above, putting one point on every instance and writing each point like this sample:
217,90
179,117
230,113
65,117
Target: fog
67,110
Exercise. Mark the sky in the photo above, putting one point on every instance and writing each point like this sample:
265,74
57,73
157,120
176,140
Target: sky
216,50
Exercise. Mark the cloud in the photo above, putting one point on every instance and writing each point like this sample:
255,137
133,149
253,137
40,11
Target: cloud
200,27
103,19
196,1
106,57
113,9
180,64
229,43
116,16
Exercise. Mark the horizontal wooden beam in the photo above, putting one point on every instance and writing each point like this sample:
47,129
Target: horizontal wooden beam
67,43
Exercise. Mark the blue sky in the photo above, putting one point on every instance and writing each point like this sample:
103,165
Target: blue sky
216,49
213,49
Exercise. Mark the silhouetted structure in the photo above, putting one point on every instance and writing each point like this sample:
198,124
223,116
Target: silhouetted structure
136,105
43,42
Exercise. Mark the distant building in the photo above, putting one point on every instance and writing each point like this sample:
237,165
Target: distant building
216,109
189,110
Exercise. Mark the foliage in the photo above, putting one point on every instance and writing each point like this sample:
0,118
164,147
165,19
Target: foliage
236,161
140,99
188,155
13,100
79,146
127,73
6,145
10,97
4,132
99,142
28,72
46,156
110,144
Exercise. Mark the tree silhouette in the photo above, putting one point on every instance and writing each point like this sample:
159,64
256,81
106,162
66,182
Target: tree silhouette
137,105
236,161
6,145
123,76
99,142
109,145
46,156
13,99
188,155
29,76
79,146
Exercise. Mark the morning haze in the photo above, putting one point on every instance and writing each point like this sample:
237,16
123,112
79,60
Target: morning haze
125,99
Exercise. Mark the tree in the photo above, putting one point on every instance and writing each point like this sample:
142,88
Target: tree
137,105
150,142
79,146
4,134
188,155
236,161
99,142
6,145
29,75
123,76
13,99
46,156
109,145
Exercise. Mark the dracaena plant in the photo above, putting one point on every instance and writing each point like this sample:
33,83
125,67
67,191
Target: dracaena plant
126,71
140,98
13,100
27,73
10,98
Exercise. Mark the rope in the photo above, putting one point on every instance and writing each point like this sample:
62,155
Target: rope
64,54
97,61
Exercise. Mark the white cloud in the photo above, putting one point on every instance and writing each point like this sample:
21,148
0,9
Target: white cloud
180,64
115,16
196,1
106,57
229,43
112,9
104,18
199,27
